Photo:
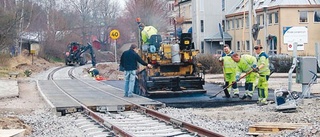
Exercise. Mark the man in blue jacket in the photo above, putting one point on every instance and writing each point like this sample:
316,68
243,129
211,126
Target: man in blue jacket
128,61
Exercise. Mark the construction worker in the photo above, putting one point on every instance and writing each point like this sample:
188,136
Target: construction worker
245,64
147,32
229,72
264,72
93,72
129,60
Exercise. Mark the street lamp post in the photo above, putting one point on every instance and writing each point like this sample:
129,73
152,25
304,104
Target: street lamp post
250,27
265,9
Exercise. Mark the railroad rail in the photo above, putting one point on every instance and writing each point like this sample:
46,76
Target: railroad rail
137,120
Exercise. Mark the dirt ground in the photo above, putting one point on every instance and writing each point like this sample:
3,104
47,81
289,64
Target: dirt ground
29,98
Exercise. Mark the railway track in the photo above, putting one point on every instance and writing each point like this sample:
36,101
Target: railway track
136,120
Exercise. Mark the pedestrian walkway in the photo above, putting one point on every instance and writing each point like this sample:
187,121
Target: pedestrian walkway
9,88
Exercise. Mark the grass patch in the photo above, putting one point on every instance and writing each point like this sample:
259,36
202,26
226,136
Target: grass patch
4,60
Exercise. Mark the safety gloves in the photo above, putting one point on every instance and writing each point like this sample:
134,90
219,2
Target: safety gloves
255,68
237,77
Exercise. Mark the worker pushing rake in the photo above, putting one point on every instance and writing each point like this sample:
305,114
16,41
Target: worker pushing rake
225,88
246,64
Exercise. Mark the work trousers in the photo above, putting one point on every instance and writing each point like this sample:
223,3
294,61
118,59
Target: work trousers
263,87
229,78
250,84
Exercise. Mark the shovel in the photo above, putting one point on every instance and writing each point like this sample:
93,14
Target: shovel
231,84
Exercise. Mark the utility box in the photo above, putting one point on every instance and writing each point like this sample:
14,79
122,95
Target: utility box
305,69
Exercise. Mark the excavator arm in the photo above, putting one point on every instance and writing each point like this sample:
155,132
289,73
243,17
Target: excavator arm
93,56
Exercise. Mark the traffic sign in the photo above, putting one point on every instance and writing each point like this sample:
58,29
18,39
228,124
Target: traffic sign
114,34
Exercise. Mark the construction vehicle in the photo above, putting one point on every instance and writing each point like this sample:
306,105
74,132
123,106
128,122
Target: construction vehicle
75,54
175,71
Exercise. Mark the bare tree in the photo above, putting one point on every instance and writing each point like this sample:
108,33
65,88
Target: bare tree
151,12
8,30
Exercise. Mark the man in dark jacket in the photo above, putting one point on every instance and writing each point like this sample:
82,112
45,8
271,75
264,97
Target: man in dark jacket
128,61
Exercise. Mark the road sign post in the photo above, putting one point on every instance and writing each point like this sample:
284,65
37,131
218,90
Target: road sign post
115,34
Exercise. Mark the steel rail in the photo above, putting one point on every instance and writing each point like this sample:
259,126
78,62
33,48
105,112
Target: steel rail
88,111
201,132
191,128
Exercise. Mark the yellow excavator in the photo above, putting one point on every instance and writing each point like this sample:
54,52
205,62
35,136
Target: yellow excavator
175,69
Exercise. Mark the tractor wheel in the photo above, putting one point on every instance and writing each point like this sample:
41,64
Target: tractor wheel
82,61
67,62
143,83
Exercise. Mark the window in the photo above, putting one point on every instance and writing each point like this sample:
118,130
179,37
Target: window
219,52
232,24
228,25
247,45
262,19
241,22
247,21
303,16
237,21
276,18
258,19
270,18
202,47
238,45
317,16
201,5
223,5
258,42
202,26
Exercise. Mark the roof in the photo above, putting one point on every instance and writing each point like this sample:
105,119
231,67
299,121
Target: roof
259,4
30,36
217,37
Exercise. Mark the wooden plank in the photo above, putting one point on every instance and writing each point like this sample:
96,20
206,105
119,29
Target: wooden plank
12,132
273,127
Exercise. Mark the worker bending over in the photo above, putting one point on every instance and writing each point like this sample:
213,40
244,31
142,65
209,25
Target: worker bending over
245,64
229,72
94,72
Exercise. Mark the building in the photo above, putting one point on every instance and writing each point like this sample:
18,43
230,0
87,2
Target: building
184,15
180,17
284,22
206,17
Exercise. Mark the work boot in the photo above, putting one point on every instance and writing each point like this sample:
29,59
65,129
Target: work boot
227,94
259,100
243,97
248,98
235,96
263,102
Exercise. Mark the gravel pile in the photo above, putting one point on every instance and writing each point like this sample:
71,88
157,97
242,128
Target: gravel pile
44,123
235,120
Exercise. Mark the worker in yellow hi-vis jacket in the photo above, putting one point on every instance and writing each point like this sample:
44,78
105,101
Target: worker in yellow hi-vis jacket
229,72
147,32
245,64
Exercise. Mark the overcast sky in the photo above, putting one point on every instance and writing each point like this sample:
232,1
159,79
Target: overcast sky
122,2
